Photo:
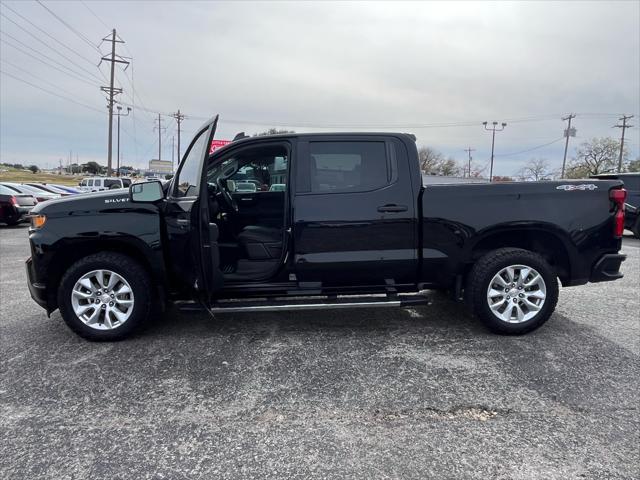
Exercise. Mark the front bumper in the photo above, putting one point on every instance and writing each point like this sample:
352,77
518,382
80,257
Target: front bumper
607,268
37,290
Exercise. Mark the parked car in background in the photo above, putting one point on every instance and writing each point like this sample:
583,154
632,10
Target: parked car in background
246,187
66,188
98,184
39,194
14,207
48,188
632,185
278,187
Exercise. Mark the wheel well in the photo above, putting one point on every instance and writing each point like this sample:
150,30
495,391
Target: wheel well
72,253
544,243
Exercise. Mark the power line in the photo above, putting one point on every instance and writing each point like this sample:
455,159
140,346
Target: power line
469,150
112,91
68,71
49,35
80,35
36,77
94,14
567,133
529,149
69,99
160,129
624,126
50,47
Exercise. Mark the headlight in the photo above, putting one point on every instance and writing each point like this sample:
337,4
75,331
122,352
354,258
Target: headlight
38,221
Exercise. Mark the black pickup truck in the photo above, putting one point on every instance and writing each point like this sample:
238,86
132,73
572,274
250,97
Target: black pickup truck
318,221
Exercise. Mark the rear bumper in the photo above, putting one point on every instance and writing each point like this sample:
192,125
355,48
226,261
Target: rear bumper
607,268
37,290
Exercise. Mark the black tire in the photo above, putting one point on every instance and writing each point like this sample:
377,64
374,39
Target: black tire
124,266
636,228
481,276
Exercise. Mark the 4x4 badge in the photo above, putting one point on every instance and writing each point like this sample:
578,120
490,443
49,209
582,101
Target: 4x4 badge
584,186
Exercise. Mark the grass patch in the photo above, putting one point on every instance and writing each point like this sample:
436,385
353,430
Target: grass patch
24,176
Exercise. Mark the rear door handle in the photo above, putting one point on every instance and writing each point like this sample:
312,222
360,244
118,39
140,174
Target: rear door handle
393,208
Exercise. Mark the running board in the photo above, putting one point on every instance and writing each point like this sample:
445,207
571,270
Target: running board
289,304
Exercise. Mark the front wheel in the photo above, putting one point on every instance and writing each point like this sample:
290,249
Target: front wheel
105,296
512,291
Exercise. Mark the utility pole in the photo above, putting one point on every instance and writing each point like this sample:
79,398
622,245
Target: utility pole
119,114
111,90
160,129
173,151
569,132
469,150
179,118
493,129
624,126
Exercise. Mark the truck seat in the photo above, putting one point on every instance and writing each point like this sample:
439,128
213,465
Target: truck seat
261,243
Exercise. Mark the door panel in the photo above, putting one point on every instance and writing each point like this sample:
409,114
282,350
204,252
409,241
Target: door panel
260,208
356,237
193,250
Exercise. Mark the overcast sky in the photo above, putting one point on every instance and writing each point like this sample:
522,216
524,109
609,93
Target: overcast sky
321,66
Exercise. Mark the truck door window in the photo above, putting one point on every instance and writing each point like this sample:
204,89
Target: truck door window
266,171
90,183
347,166
186,184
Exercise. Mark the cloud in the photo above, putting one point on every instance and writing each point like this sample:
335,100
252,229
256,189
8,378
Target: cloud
314,64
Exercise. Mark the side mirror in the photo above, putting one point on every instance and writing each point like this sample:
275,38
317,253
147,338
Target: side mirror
146,192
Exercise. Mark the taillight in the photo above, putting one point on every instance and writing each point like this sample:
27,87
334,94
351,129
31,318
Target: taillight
14,201
618,196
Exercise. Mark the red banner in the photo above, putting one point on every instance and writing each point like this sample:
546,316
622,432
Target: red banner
216,144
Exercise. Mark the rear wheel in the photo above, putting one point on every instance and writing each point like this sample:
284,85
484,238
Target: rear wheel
513,291
105,296
636,228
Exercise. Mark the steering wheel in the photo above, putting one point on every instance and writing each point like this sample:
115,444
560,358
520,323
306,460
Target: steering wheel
229,202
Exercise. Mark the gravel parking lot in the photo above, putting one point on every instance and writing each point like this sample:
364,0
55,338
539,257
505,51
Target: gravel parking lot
413,393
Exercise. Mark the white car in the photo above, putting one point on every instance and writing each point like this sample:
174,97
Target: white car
97,184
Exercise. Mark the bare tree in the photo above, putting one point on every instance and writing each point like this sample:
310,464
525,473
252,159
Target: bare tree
429,160
600,155
272,131
449,168
433,162
477,170
535,170
634,165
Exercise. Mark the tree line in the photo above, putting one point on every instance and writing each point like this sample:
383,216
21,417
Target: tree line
596,156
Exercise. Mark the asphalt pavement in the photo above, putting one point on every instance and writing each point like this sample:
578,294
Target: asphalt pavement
406,393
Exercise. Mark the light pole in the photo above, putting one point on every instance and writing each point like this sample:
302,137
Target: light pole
493,129
119,114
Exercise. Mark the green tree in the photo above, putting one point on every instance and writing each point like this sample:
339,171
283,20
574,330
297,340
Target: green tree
33,168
